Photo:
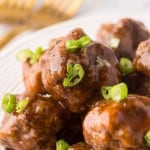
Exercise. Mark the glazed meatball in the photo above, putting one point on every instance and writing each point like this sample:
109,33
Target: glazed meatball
80,146
55,41
142,58
36,127
98,62
32,78
118,125
129,33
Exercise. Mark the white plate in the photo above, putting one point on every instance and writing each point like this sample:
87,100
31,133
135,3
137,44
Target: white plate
10,69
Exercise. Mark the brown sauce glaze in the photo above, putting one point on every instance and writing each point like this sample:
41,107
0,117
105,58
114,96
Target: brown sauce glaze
121,126
36,127
99,63
142,58
32,78
128,31
80,146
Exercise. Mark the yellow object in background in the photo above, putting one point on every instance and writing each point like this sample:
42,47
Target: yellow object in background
34,14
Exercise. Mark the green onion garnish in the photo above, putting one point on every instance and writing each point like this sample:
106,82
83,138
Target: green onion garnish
114,43
24,55
105,90
75,74
126,65
84,41
21,105
62,145
73,45
29,54
117,92
35,57
8,103
147,138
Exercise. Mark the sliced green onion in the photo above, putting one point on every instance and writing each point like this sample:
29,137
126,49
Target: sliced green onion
73,45
75,74
117,92
105,90
62,145
84,41
29,54
39,51
126,65
114,43
24,55
8,102
21,105
147,138
35,57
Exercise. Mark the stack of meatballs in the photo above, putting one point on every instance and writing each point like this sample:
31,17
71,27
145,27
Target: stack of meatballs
64,92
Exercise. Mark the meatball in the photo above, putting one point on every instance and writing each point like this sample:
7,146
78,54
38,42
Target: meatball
32,78
142,58
98,62
80,146
55,41
34,128
129,32
118,125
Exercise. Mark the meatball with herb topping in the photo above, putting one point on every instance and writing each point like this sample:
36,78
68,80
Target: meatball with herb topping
118,125
123,36
139,81
31,70
76,67
32,123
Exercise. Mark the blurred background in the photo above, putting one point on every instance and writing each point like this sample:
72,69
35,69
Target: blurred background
22,17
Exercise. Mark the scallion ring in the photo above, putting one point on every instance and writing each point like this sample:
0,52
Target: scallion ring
84,41
147,138
21,105
126,65
73,45
8,102
116,92
105,90
62,145
29,54
75,74
114,43
119,92
24,55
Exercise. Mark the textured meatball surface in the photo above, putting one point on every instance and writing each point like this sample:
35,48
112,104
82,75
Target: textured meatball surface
142,58
32,78
98,61
129,32
80,146
35,128
122,126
